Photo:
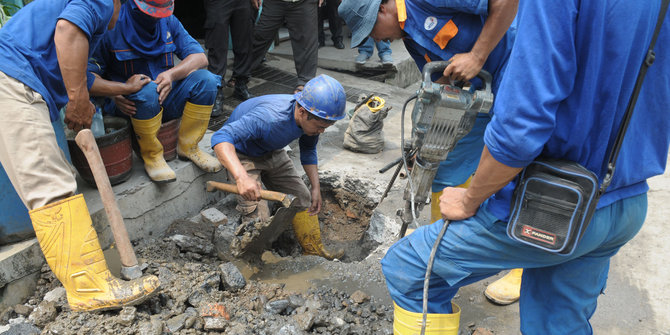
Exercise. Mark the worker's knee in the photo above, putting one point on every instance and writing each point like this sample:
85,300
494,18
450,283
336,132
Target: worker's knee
203,85
303,197
146,102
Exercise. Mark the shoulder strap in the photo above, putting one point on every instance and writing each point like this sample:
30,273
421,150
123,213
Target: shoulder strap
649,59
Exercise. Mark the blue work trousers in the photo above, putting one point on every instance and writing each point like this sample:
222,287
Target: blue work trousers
558,293
368,48
198,88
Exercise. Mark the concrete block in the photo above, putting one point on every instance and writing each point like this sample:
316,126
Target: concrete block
214,216
19,260
17,291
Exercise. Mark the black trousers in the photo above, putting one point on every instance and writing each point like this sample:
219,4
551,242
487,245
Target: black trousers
329,11
301,20
224,16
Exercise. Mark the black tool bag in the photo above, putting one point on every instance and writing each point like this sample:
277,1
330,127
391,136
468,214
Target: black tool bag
554,200
553,204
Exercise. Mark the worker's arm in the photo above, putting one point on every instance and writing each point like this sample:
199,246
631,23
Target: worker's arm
465,66
108,88
248,188
189,64
312,171
72,53
489,178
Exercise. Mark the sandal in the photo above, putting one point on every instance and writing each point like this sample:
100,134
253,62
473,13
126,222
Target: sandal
298,89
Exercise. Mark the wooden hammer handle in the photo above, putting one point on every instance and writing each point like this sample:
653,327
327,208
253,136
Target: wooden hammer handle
89,147
232,188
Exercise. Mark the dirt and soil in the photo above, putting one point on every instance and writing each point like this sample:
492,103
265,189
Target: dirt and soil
206,290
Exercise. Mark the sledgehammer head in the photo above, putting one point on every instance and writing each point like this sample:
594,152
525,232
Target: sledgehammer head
288,200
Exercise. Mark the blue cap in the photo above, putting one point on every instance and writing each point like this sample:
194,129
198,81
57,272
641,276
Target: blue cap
360,16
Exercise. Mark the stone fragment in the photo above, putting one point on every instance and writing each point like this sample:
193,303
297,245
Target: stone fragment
24,310
360,297
127,315
305,321
276,306
193,244
22,328
44,313
296,301
289,330
214,216
176,323
231,277
214,324
216,310
55,294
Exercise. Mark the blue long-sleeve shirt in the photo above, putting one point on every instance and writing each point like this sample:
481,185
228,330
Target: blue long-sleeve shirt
438,30
28,51
116,59
264,124
566,87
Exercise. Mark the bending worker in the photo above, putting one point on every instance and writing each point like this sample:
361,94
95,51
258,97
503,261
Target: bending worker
43,53
250,145
134,65
473,37
559,98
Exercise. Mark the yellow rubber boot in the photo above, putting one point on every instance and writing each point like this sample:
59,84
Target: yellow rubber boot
71,248
151,149
435,213
308,232
409,323
193,126
505,290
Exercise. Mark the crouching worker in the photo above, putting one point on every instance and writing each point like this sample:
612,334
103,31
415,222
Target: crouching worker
250,146
43,53
134,65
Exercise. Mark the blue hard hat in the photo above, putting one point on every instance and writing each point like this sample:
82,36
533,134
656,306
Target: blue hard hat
324,97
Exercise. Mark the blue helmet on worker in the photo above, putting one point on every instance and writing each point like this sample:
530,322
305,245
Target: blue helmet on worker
324,97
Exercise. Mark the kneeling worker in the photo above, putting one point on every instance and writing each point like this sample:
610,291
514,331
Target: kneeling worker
250,146
140,49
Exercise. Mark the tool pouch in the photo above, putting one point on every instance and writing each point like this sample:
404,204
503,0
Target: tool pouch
553,204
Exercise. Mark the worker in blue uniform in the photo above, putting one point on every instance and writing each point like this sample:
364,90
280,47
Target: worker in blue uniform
566,86
473,35
250,145
135,65
43,53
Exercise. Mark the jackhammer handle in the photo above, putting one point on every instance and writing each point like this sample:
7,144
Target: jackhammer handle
89,147
433,67
232,188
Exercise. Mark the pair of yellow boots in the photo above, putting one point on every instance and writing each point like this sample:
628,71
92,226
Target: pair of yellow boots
193,126
503,291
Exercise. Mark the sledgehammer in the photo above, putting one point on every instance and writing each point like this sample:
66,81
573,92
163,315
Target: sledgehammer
285,199
129,267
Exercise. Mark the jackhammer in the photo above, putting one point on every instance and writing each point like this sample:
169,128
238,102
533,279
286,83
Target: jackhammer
442,115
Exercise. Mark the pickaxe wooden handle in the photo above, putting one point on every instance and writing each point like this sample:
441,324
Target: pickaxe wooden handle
285,199
87,144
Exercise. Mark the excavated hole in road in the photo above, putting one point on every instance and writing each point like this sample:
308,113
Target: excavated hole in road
344,219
